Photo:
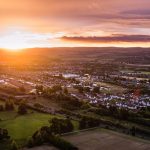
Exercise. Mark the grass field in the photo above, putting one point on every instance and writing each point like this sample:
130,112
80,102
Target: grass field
21,128
101,139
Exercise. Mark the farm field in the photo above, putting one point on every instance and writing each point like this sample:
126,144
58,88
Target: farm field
106,140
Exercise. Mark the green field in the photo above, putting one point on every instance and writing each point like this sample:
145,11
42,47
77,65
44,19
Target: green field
21,128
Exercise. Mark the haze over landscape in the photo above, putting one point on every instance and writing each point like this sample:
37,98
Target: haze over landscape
74,74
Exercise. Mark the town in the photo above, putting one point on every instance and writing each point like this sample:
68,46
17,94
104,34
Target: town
116,93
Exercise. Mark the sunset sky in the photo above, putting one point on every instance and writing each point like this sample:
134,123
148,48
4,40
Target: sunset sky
61,23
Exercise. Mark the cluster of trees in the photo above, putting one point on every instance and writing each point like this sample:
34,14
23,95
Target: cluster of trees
111,111
48,91
88,122
124,114
50,135
81,89
65,100
68,102
59,126
10,106
4,137
4,134
61,96
45,136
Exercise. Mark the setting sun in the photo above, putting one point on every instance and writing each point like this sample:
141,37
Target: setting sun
18,39
13,42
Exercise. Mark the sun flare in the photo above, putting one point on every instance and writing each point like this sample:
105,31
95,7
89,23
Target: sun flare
18,40
13,42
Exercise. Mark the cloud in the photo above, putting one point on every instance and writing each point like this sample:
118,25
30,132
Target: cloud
79,18
114,38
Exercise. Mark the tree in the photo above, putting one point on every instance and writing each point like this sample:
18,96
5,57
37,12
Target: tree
22,109
4,134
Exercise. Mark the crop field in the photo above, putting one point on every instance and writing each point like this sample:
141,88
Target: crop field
106,140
